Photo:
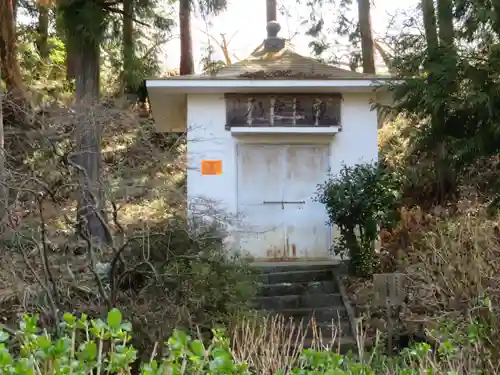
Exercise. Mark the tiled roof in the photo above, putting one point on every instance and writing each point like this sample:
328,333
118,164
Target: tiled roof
284,64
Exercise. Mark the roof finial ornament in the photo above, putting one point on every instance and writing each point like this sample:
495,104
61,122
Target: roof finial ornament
273,28
272,43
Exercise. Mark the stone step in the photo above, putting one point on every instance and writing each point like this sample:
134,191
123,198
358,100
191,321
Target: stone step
303,276
326,329
322,315
273,268
342,344
312,287
330,329
294,301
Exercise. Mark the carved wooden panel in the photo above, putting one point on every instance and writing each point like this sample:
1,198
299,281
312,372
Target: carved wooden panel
282,110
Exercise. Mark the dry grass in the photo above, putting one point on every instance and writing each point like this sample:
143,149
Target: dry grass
272,343
451,259
456,262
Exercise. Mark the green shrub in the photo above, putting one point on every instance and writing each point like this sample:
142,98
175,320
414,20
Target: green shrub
191,279
359,200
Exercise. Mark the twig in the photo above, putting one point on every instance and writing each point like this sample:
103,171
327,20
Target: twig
43,252
97,278
112,9
99,353
44,286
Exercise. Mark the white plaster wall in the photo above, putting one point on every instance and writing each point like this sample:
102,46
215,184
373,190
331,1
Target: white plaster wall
207,139
358,140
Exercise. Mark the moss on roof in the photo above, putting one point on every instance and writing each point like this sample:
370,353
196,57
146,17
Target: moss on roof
284,64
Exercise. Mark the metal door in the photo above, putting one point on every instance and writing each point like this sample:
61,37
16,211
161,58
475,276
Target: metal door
307,234
260,179
276,187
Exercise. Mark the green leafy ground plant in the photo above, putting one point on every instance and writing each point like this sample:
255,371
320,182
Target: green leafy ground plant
101,347
95,347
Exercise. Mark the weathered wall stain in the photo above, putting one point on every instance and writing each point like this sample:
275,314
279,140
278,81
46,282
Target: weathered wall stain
288,252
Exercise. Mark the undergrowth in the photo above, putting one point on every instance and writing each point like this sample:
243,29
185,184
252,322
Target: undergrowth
162,270
447,253
102,346
165,277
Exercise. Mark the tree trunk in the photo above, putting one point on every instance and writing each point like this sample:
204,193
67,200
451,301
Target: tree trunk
88,134
365,29
71,62
496,12
187,62
43,32
445,23
87,89
8,52
385,56
446,34
429,17
62,32
14,12
3,188
431,37
128,46
444,174
225,50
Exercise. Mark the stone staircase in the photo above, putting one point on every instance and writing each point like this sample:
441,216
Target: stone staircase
301,292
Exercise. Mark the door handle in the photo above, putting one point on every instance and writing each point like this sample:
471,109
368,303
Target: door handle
284,202
294,202
275,202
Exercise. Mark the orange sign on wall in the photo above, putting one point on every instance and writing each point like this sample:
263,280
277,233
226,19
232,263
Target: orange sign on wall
211,167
